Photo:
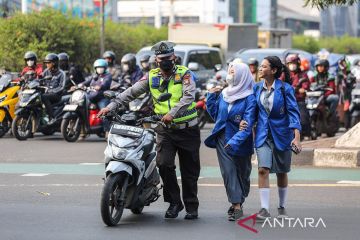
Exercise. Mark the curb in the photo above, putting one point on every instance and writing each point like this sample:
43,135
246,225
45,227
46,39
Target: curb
325,157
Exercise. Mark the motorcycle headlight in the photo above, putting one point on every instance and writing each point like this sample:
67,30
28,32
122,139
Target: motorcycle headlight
134,106
119,153
77,97
3,98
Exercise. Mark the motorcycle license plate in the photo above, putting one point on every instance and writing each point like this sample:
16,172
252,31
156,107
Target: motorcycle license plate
28,91
70,107
126,130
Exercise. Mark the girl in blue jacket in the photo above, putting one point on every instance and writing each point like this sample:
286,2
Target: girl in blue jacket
277,129
234,148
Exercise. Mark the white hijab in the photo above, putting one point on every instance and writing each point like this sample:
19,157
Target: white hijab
243,83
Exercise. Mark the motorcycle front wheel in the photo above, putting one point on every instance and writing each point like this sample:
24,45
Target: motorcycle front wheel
4,127
71,129
22,127
113,198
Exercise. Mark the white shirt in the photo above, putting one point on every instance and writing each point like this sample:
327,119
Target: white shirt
271,97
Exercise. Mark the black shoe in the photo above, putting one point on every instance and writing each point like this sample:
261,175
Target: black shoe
173,210
262,215
230,211
191,216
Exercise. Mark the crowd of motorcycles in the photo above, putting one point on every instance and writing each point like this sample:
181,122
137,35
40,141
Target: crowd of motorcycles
131,177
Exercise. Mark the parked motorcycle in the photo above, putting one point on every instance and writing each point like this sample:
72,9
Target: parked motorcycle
31,115
131,176
8,99
321,120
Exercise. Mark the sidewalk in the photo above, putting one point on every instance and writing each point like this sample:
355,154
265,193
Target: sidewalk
323,153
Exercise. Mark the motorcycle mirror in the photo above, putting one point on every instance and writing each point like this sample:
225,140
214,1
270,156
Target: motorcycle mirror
164,97
109,94
217,67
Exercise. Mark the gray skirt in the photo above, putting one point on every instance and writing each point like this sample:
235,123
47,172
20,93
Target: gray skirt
275,160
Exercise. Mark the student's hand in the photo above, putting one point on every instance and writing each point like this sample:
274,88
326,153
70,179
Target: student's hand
243,125
296,140
215,89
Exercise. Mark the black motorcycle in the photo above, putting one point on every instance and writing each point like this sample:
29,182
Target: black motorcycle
354,108
31,114
321,120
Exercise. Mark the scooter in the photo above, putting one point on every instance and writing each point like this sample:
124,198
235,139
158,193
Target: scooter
131,177
8,99
31,115
321,121
81,115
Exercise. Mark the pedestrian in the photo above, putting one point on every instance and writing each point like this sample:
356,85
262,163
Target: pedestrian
181,132
234,148
277,131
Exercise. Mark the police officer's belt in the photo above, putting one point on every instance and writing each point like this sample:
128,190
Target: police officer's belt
179,126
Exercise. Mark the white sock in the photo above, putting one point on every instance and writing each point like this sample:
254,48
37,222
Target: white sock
282,196
265,197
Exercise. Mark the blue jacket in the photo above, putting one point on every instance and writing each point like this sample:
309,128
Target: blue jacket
241,142
103,80
281,121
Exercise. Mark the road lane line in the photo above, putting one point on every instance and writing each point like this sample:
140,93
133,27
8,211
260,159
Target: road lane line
35,174
349,182
90,164
200,185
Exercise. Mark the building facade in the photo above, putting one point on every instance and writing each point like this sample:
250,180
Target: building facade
341,20
162,12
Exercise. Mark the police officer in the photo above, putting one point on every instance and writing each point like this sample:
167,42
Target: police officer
181,134
55,84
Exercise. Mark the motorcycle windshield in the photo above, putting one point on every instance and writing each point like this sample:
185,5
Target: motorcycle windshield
4,81
121,141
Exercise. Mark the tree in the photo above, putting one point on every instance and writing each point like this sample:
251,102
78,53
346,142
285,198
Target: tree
326,3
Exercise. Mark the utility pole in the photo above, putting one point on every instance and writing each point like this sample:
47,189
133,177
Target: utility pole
172,13
102,27
157,14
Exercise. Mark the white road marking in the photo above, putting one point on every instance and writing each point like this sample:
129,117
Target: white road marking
200,185
349,182
35,174
90,164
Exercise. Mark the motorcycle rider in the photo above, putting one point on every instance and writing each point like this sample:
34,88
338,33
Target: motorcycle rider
113,68
152,62
181,132
31,64
72,71
253,65
144,62
323,77
55,84
130,71
301,83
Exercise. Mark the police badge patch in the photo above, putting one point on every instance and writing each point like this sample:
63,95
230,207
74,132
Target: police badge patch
155,82
187,79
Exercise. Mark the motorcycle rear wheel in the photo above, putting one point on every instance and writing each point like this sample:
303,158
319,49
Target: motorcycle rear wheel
111,205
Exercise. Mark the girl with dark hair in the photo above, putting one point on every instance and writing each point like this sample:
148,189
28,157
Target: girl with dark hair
277,131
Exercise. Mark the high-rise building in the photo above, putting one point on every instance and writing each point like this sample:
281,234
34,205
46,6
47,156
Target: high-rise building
79,8
341,20
243,11
162,12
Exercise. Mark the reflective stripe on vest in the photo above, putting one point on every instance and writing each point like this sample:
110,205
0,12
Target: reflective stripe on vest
175,88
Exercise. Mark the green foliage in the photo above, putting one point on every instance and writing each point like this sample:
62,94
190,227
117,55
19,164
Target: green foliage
50,31
321,4
344,45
